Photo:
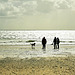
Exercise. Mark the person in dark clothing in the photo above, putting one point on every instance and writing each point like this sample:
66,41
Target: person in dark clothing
44,41
54,42
57,42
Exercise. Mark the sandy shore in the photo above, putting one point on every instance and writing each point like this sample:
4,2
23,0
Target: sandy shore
38,66
23,60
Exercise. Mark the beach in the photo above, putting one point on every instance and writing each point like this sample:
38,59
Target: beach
38,66
26,51
23,60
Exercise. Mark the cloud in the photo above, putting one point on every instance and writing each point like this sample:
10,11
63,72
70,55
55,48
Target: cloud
31,7
64,4
45,6
17,8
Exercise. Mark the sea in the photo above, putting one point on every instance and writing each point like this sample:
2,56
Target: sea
21,40
25,37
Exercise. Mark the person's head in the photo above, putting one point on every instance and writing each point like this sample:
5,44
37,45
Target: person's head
54,37
57,38
43,37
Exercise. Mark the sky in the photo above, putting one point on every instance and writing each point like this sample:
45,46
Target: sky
37,14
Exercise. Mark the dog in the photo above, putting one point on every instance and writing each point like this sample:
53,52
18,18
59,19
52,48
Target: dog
33,45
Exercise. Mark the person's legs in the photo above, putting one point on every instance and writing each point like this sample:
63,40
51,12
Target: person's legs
58,46
54,46
44,46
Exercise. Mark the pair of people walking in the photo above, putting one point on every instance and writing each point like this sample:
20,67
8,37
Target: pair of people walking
56,42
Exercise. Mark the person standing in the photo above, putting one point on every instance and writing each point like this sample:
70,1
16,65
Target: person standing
57,42
54,42
44,41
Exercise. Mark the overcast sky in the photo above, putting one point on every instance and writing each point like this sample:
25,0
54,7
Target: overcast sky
37,14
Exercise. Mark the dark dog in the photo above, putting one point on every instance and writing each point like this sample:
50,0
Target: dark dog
33,45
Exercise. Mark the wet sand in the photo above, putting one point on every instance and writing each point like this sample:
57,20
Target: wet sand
12,64
24,51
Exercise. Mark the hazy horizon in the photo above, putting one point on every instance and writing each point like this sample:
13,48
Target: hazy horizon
37,14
